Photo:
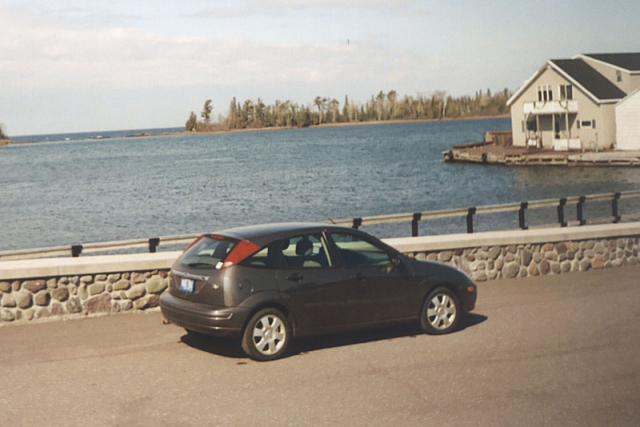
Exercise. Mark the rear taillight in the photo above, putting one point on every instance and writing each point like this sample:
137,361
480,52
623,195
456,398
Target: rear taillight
243,250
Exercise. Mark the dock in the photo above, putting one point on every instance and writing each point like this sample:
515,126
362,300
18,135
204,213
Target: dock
491,151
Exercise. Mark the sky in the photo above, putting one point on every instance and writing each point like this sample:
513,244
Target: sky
85,65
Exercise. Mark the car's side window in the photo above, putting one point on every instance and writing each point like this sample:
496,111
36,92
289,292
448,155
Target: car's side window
356,252
305,251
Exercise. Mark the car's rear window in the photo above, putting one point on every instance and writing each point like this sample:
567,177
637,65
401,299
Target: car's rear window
207,252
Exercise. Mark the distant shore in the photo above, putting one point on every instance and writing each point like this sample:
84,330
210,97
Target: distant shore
324,125
223,131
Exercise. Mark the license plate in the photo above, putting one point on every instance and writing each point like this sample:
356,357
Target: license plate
186,286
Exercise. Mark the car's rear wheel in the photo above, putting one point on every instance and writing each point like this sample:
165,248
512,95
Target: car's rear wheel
441,312
267,335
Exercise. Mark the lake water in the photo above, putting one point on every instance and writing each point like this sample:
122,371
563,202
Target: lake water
79,192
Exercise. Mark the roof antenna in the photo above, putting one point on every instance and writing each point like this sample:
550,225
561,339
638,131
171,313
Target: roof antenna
330,219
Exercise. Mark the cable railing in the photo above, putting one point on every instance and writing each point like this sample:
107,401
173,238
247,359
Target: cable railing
561,206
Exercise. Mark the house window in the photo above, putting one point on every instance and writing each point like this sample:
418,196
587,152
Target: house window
586,123
618,75
545,93
593,124
566,92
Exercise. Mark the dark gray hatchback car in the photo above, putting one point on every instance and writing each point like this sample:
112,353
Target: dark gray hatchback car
269,283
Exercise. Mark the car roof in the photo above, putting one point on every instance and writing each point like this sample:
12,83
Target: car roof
263,234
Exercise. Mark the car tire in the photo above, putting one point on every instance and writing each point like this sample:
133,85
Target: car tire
441,312
266,335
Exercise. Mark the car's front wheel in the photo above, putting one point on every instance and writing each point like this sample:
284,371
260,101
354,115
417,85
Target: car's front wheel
266,335
441,312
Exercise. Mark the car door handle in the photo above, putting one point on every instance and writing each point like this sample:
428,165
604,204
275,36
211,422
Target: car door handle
295,277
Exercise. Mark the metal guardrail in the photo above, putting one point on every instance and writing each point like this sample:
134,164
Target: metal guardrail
415,218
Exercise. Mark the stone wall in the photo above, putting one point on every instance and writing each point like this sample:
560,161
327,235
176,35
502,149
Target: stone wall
76,296
49,288
511,261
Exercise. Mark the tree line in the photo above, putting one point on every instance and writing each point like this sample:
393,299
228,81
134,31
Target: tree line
3,135
383,106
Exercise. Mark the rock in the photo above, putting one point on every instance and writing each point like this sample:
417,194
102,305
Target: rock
548,247
616,263
565,266
16,286
113,278
494,252
99,304
51,284
555,267
584,265
138,278
86,279
598,263
445,256
42,313
526,256
23,299
101,277
8,301
5,287
136,292
7,316
621,243
82,291
29,314
115,307
537,257
421,256
34,286
432,257
18,314
510,270
522,273
42,298
545,267
96,288
533,270
499,264
512,249
146,302
492,275
561,248
479,276
63,281
57,309
551,256
126,305
509,258
121,285
73,280
60,294
156,285
588,253
74,305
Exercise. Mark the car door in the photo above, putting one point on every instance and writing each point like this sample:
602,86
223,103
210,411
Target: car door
379,287
314,287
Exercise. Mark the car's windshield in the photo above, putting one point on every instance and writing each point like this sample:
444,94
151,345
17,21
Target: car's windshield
207,252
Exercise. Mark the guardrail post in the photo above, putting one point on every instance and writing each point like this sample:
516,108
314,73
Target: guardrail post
470,213
357,222
522,219
414,223
580,211
154,242
76,250
561,218
615,208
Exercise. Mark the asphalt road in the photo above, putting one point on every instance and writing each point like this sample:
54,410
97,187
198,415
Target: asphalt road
554,351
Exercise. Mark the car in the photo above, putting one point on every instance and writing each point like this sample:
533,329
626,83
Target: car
266,284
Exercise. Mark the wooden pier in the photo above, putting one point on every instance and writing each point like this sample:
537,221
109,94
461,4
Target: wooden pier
493,152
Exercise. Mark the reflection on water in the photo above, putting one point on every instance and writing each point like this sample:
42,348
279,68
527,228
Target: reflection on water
121,188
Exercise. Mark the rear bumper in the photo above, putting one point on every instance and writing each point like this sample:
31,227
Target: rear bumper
468,300
218,321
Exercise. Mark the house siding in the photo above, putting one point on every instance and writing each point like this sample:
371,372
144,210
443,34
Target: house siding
628,123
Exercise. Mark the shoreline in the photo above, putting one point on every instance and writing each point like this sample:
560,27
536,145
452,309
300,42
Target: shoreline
185,133
331,125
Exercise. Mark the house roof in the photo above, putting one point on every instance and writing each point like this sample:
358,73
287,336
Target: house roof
629,61
589,79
